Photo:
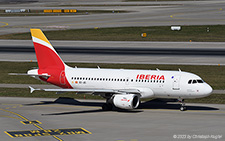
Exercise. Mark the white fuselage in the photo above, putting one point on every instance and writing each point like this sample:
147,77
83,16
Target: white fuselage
150,83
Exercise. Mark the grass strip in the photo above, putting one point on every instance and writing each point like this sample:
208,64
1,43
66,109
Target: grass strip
113,5
157,33
214,75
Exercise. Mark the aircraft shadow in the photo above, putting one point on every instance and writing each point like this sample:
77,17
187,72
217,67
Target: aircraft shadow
152,104
163,104
68,101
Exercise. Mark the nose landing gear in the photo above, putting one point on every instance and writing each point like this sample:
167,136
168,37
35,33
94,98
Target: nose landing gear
182,105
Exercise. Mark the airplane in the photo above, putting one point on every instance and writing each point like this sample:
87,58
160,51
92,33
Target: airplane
122,88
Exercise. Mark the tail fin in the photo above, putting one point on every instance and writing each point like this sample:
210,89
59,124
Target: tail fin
46,55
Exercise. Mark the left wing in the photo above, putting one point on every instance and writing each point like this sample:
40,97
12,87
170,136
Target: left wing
92,91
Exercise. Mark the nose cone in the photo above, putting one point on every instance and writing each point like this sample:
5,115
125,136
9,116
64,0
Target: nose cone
207,90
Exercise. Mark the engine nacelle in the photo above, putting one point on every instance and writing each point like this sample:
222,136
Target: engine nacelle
126,101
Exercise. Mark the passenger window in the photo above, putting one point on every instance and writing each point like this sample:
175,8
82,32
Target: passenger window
194,81
189,82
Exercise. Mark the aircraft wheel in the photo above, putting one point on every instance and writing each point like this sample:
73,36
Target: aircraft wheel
107,107
183,108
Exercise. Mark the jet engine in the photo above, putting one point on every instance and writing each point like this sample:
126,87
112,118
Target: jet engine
126,101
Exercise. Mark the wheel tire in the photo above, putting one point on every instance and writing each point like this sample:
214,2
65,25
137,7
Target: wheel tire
181,108
107,107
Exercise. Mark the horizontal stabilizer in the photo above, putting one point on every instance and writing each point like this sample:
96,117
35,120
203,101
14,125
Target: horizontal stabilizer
32,89
25,74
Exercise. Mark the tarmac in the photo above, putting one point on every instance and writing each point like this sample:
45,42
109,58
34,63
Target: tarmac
38,118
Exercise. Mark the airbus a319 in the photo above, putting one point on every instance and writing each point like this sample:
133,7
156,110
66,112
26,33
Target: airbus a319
122,88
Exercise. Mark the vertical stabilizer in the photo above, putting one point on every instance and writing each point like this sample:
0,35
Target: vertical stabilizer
46,55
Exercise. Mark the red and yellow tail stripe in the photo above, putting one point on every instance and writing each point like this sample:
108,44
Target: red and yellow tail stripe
46,55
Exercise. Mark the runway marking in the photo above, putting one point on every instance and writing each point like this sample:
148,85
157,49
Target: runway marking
47,132
22,117
9,117
31,122
5,24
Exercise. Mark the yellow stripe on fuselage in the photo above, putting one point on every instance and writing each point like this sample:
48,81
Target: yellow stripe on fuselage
39,34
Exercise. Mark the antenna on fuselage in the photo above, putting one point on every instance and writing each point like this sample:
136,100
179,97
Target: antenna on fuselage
179,70
157,69
98,67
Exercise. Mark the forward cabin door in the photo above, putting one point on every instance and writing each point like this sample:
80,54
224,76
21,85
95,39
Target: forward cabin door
176,82
127,81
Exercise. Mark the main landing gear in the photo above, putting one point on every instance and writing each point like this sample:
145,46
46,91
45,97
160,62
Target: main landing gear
182,105
108,106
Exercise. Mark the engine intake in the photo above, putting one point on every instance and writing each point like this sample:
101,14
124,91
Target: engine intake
126,101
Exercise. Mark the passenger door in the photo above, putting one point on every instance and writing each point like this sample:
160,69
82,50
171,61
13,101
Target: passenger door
176,82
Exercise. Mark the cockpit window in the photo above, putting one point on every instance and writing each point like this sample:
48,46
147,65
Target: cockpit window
194,81
200,81
189,82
